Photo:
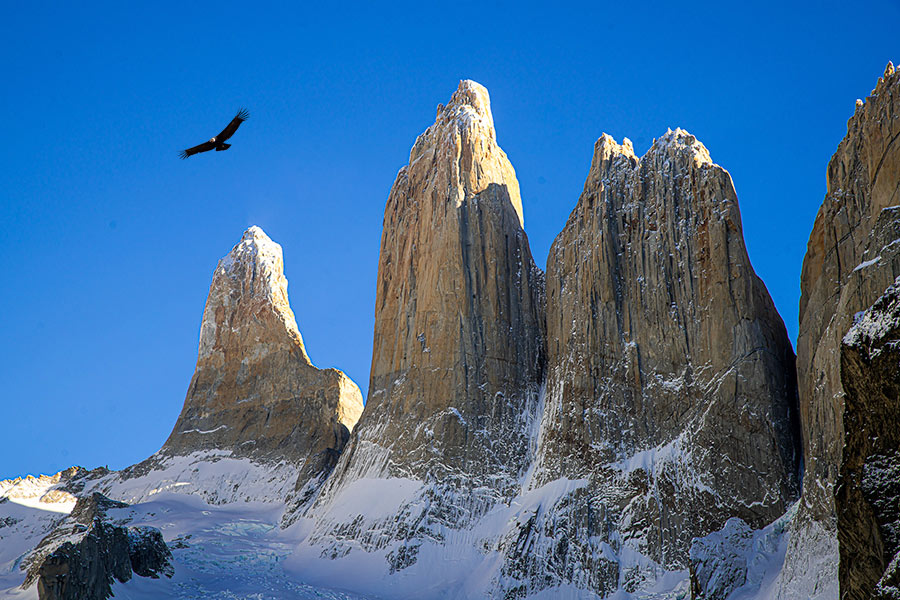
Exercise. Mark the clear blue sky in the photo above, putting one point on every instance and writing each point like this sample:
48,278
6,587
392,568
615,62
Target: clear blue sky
109,241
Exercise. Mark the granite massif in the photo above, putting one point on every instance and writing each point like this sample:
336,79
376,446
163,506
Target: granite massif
631,424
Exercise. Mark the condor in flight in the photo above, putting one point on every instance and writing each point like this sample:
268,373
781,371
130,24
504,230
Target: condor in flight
218,142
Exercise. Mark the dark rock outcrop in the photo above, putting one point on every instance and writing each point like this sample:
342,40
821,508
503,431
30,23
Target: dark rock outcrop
850,261
82,557
868,491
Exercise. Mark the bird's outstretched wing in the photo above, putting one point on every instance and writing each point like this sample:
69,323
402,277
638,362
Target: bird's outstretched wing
229,130
204,147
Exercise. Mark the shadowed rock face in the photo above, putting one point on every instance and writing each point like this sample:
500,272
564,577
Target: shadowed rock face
868,492
670,377
458,353
82,557
254,391
848,265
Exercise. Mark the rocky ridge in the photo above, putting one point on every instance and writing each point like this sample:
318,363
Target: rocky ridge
848,264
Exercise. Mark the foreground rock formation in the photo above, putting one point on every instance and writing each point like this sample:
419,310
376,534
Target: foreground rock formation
849,263
868,493
88,551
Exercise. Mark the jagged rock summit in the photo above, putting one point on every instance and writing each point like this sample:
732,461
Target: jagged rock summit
670,377
458,350
259,421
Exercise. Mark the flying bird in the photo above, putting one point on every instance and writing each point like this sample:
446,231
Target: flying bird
218,142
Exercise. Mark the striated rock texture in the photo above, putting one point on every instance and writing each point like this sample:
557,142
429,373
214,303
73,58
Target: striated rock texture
670,377
868,492
458,342
87,551
458,353
845,270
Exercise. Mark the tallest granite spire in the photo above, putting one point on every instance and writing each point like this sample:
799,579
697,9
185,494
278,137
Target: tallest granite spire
458,339
458,351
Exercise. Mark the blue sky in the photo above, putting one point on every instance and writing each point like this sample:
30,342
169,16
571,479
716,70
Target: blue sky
109,241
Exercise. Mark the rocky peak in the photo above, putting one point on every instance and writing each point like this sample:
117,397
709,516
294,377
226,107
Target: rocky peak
458,156
457,311
670,384
254,394
457,361
248,282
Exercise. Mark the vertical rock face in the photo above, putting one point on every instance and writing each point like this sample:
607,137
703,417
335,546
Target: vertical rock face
868,492
458,343
845,270
458,353
670,378
254,394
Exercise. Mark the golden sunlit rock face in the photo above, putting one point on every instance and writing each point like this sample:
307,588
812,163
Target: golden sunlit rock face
458,346
670,401
458,351
255,391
